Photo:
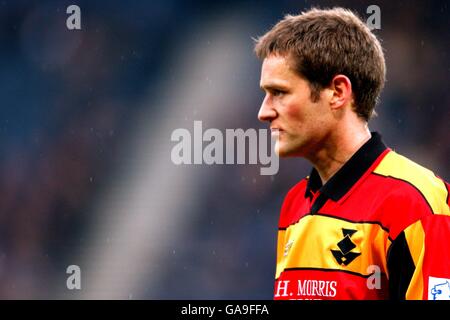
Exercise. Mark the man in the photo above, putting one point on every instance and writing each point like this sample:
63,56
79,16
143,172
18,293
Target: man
367,223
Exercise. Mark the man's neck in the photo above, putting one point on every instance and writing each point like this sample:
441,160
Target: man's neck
337,151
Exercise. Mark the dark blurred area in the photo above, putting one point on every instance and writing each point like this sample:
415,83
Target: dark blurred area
72,102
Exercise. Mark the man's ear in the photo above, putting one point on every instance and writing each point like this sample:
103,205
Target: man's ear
342,93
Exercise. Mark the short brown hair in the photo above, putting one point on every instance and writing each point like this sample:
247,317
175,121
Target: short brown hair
324,43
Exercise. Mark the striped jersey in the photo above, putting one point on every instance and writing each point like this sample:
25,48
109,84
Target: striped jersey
378,229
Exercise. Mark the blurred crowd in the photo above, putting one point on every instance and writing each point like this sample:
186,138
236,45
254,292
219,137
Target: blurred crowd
69,100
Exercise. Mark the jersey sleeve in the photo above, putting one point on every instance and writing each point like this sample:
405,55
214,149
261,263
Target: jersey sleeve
419,260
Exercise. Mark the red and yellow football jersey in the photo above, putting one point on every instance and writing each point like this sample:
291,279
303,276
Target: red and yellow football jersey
378,229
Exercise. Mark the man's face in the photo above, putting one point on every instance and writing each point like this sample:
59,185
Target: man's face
299,125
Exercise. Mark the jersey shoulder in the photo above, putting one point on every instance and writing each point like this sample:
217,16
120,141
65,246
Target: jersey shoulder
413,183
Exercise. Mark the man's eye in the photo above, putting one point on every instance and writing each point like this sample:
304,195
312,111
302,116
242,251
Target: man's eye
277,93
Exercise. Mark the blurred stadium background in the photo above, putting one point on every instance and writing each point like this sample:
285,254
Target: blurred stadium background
85,123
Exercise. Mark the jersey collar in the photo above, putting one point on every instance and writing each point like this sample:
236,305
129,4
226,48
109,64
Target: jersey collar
342,181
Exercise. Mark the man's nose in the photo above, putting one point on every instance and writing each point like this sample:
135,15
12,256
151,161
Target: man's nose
266,112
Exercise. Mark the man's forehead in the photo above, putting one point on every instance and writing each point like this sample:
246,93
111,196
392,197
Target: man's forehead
276,70
276,61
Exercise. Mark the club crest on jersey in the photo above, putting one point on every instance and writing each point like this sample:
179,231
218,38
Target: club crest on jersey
345,255
438,288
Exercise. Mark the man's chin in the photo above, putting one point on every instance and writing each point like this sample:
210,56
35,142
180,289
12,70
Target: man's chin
283,153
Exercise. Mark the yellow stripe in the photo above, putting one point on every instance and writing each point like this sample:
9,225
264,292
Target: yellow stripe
308,244
432,188
415,238
280,251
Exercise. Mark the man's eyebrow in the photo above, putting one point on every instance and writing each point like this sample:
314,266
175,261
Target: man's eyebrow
272,86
